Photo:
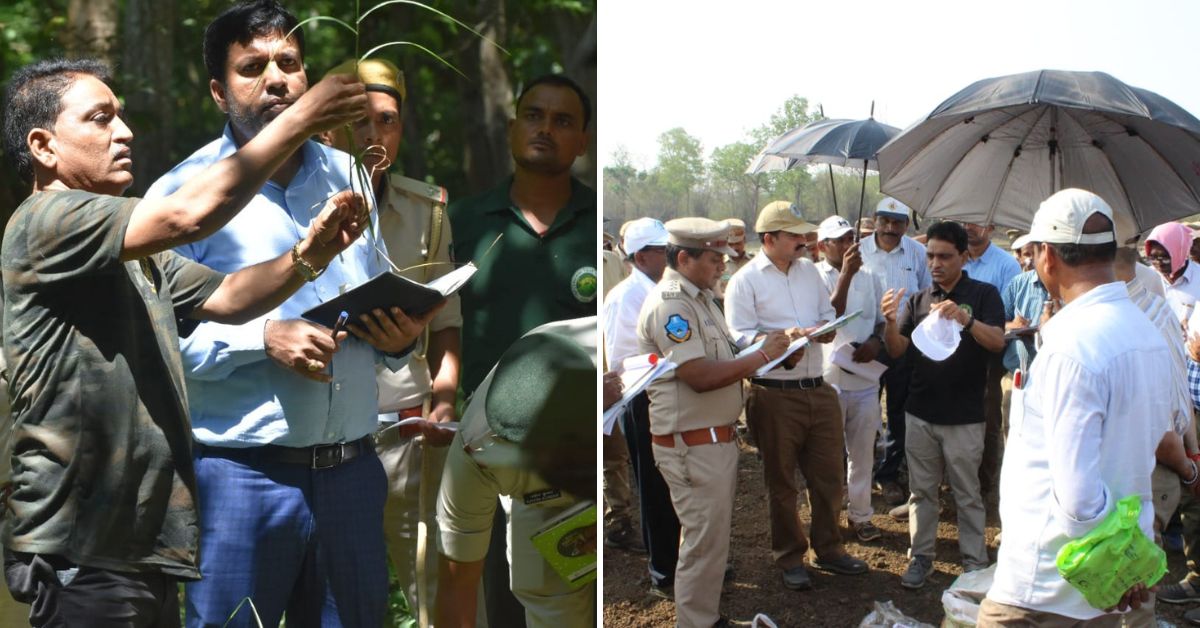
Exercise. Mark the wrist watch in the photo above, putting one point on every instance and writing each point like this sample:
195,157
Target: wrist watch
970,323
307,271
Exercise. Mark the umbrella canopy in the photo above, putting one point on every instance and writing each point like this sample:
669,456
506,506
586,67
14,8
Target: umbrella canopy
763,162
994,151
833,141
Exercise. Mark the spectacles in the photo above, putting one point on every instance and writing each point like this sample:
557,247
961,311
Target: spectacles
1159,260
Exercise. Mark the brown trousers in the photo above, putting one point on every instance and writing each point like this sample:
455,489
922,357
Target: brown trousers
993,614
800,428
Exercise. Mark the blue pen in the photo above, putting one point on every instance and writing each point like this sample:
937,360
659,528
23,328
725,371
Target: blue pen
341,322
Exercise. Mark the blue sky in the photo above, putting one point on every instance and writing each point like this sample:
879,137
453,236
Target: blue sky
721,71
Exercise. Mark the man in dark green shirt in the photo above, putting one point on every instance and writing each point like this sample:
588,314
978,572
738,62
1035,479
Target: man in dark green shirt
543,269
102,493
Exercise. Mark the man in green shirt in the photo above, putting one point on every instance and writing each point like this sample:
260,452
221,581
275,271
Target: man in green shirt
103,493
542,269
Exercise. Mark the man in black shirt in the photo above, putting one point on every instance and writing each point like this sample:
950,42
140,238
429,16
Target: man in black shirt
944,412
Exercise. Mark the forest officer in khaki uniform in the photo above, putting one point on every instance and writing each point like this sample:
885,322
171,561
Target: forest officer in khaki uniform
692,409
414,225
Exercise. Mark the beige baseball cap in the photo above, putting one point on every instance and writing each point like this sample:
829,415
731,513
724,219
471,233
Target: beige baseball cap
378,75
700,233
782,216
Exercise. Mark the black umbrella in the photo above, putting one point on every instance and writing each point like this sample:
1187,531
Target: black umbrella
837,142
995,150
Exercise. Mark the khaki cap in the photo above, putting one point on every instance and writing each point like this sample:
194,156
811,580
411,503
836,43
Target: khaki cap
377,75
782,216
737,229
700,233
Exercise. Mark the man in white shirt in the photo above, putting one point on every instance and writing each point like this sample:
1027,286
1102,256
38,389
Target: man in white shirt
793,414
1085,427
645,240
900,261
854,288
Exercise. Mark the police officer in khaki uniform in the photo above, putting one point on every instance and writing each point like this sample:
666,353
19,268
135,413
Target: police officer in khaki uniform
692,409
414,225
529,434
739,258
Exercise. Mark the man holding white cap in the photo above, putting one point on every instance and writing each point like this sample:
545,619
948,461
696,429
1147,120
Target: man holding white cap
854,288
793,414
944,410
646,242
1085,426
693,408
900,261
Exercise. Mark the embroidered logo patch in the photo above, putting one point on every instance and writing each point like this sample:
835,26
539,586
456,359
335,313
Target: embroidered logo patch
966,308
678,328
584,284
538,497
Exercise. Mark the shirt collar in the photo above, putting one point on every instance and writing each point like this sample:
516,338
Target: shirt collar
311,156
1100,294
957,289
642,277
498,200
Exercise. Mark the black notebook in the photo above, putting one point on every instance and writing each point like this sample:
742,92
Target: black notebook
387,290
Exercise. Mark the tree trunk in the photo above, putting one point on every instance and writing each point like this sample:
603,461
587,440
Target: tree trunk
579,63
488,95
146,78
91,29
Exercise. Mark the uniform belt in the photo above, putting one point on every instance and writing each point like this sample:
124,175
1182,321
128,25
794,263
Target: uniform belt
791,384
692,438
408,413
317,456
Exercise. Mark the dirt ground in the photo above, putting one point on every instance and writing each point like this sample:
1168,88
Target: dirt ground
834,601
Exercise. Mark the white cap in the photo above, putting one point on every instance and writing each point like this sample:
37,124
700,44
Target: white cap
1020,242
1060,218
642,233
893,208
833,228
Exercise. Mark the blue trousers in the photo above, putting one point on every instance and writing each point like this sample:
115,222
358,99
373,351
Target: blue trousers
308,542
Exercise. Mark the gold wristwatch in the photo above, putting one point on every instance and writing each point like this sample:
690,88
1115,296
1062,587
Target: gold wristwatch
302,267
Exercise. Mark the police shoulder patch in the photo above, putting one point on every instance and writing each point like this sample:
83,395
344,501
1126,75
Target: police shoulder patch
678,328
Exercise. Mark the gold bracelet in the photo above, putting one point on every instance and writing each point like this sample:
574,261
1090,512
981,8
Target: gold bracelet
307,271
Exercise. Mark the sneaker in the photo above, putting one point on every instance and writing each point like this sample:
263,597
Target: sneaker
797,579
866,531
899,513
918,570
843,565
664,591
1180,592
622,536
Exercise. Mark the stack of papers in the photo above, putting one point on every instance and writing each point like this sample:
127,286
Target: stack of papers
637,373
844,357
803,341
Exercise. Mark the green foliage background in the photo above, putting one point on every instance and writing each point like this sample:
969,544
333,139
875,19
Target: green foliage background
684,181
442,113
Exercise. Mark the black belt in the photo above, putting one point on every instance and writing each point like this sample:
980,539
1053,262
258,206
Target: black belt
789,384
316,457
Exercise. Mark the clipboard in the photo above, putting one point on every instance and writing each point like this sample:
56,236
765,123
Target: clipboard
387,290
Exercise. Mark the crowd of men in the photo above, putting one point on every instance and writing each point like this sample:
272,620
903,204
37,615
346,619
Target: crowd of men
176,418
945,329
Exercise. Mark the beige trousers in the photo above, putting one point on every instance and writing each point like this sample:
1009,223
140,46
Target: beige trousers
402,460
702,480
953,451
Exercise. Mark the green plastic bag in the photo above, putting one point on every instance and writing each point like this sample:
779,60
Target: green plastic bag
1106,562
